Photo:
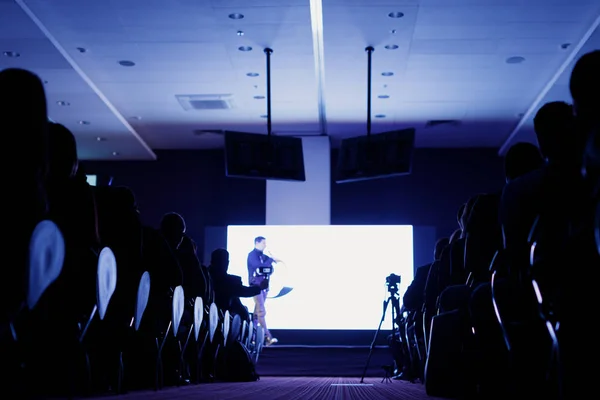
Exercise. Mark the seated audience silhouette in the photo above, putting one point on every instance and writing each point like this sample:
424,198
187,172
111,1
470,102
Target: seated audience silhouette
229,288
521,159
172,227
195,275
24,133
522,198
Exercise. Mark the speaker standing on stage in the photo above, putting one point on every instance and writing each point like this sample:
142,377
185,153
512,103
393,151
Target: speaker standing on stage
256,260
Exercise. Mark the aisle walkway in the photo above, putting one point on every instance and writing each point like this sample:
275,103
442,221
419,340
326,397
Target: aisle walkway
296,388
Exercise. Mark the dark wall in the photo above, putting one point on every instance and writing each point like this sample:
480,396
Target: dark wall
441,180
193,183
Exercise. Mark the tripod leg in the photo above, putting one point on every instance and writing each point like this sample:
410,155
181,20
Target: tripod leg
385,305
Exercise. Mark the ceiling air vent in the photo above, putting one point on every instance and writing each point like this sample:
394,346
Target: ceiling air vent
200,102
438,122
208,132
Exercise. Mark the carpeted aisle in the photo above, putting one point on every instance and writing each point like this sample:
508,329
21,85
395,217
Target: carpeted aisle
290,388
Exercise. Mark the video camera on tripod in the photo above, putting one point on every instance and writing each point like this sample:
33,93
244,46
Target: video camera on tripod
392,283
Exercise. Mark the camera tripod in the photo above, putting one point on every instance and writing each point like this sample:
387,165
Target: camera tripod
395,301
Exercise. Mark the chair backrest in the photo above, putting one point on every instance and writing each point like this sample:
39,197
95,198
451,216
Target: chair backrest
143,294
244,329
250,333
178,305
213,321
46,259
106,280
235,329
260,338
198,316
226,325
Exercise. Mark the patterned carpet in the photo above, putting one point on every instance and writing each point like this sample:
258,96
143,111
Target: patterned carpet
292,388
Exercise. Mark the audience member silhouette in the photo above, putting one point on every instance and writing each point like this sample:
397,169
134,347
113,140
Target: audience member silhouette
195,278
521,159
584,86
484,237
229,288
577,299
414,297
522,198
172,227
24,132
71,205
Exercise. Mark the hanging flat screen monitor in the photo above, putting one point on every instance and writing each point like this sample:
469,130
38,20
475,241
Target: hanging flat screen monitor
381,155
257,156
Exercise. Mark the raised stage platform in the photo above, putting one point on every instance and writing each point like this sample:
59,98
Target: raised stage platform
329,360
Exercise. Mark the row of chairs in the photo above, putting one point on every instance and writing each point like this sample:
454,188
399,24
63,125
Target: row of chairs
196,335
532,295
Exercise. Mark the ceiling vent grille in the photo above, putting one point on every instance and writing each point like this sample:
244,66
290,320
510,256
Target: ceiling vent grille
208,132
205,102
438,122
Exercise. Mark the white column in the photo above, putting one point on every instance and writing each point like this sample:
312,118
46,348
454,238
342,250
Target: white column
304,203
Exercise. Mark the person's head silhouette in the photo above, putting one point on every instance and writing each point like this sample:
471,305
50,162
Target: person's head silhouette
554,128
63,161
440,245
521,159
24,117
219,261
584,86
172,227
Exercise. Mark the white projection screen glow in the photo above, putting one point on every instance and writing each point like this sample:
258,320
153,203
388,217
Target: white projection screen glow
337,272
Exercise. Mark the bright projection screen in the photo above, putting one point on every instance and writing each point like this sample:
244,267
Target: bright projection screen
337,272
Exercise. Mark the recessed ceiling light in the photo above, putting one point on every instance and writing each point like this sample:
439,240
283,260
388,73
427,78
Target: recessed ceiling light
63,103
236,16
264,116
126,63
81,49
380,116
84,122
252,74
114,153
259,97
565,46
391,46
387,74
515,60
100,139
396,14
255,86
383,96
11,54
393,31
245,48
240,33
